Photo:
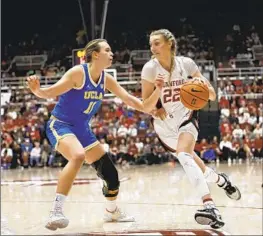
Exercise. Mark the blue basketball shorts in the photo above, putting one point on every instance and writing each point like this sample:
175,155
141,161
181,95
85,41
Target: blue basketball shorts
57,130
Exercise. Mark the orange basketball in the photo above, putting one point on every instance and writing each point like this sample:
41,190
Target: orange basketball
194,95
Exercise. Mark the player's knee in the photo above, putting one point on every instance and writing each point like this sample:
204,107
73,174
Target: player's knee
78,157
108,173
180,152
186,143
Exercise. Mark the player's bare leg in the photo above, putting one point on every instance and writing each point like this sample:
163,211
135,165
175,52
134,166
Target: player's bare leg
73,151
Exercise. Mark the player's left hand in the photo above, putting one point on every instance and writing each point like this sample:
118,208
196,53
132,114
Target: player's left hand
33,83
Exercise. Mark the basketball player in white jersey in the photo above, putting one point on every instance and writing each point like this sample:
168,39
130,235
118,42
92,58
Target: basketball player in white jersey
177,127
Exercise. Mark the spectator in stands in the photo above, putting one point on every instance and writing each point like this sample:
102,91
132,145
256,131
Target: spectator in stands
132,131
142,125
17,156
123,150
243,118
6,156
35,154
239,152
139,144
26,148
208,154
122,131
114,150
102,133
215,146
243,107
225,127
238,132
159,154
230,88
226,148
147,150
150,132
225,111
201,147
112,129
258,131
252,120
221,91
105,145
132,151
46,151
247,132
233,119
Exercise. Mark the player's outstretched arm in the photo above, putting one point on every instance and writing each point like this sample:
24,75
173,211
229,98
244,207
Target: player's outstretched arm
146,105
72,78
113,86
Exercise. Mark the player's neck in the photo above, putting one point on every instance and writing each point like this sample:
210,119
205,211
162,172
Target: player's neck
165,63
95,71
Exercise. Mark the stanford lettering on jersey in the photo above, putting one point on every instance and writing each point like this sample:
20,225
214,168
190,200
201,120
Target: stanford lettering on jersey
174,83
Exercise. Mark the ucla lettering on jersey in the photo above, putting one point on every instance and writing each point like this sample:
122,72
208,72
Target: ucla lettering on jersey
80,104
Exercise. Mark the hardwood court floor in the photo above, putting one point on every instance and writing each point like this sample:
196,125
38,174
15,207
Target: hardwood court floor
160,197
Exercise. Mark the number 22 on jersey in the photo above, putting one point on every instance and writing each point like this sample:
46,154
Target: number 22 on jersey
171,95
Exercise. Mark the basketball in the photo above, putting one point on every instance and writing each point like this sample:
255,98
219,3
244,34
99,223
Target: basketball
194,95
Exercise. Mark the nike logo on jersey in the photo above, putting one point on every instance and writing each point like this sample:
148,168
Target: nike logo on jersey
196,91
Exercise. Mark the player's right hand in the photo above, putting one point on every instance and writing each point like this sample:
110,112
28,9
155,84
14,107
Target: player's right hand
33,83
198,80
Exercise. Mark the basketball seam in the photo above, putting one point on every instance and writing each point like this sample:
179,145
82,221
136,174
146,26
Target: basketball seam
187,84
189,104
194,95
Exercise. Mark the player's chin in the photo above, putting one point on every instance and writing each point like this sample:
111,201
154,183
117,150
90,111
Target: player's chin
109,63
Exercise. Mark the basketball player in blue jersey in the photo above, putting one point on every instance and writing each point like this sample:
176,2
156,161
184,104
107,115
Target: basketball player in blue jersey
80,91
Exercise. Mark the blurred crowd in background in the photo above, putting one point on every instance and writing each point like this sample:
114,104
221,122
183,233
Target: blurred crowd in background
125,133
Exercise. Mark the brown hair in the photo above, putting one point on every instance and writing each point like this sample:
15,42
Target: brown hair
168,37
91,47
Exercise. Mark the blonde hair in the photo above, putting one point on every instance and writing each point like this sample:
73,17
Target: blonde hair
168,37
92,46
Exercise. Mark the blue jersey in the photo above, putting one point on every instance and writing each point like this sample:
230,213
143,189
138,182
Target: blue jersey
79,105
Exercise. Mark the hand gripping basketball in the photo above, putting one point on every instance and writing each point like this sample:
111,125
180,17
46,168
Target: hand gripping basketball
194,94
200,81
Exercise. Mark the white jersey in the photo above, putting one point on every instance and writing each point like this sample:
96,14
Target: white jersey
168,129
170,95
